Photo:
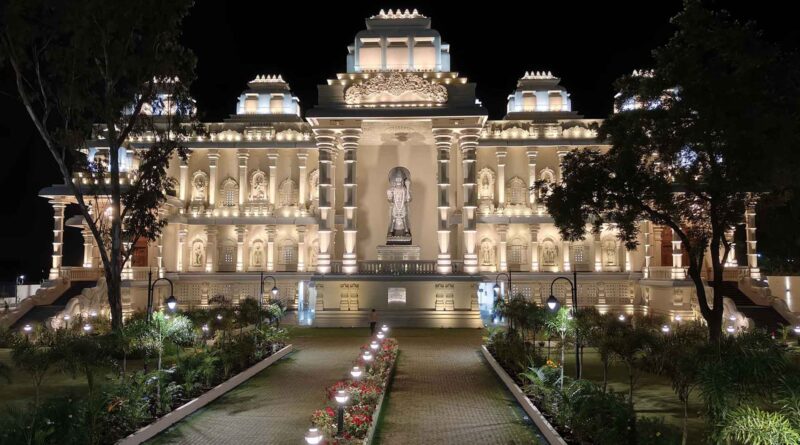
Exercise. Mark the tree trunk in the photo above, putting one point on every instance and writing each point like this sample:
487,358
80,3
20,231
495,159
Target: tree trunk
685,435
562,362
605,374
630,382
117,258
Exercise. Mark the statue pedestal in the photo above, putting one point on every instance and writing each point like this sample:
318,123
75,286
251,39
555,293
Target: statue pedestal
398,253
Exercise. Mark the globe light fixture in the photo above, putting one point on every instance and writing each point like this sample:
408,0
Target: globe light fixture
67,317
496,288
730,329
87,327
367,356
797,329
219,317
621,317
665,329
172,302
381,335
313,436
341,397
274,291
552,302
355,372
385,329
374,345
204,328
678,318
27,328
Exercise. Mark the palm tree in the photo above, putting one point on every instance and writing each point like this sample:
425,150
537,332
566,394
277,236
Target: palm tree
561,323
754,426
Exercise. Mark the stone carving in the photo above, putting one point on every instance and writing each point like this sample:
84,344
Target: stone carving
399,195
487,252
486,179
199,186
258,186
257,257
198,253
549,253
610,256
395,84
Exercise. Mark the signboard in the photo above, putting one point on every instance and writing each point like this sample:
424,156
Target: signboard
397,295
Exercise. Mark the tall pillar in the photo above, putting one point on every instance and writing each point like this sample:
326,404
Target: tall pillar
184,184
325,144
182,232
731,260
532,154
241,233
242,156
88,247
657,231
273,179
677,258
501,177
502,231
565,248
468,141
561,154
648,248
750,234
598,253
350,138
302,158
211,248
444,141
270,247
213,157
160,255
301,248
534,253
58,238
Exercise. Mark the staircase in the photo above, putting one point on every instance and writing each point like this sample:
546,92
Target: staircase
765,317
40,314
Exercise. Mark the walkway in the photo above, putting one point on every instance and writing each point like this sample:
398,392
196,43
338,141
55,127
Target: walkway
444,393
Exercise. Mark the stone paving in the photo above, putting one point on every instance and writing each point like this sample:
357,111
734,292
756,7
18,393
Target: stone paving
443,393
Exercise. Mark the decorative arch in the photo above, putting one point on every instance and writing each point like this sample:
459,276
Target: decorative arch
517,253
199,186
258,186
517,192
229,193
287,194
287,253
486,180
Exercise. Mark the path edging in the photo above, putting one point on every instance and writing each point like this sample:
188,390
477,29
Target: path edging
377,414
171,418
547,430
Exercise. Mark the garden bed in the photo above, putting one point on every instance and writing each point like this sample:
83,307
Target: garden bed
178,414
550,434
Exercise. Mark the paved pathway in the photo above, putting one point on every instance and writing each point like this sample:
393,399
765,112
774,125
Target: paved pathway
445,393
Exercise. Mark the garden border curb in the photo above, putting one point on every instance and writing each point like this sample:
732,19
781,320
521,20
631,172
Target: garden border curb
376,416
171,418
547,430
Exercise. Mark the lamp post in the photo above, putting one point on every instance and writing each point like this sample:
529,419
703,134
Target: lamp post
552,304
496,288
261,293
341,398
313,436
355,372
171,301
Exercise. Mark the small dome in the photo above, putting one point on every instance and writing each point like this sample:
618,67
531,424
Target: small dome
539,91
268,94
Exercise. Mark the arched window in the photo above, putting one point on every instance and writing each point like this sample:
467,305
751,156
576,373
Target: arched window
517,192
287,257
287,194
229,192
517,253
528,101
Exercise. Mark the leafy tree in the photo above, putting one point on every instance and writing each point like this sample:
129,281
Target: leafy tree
754,426
696,141
601,330
561,323
93,74
631,346
34,358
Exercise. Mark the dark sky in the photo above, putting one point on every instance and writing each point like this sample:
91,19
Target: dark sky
492,43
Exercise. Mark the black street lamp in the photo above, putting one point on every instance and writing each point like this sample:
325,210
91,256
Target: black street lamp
552,304
171,301
496,288
261,293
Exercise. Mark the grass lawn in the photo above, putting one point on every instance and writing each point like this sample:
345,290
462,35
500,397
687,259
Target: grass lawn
652,396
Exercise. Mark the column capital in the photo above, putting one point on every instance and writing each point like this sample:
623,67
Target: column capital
533,153
500,152
303,157
213,156
534,229
242,154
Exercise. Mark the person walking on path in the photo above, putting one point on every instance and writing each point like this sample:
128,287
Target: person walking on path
373,320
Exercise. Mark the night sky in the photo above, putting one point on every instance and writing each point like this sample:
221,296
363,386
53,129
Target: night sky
492,43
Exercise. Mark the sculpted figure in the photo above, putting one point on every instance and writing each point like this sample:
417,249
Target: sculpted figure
399,195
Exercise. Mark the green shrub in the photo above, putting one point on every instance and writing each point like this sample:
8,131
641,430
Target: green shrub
653,431
598,417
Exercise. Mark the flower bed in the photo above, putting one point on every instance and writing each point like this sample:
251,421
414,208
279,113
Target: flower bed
365,397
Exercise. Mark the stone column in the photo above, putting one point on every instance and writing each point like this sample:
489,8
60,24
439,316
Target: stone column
565,248
241,234
750,236
532,154
58,238
88,247
534,253
211,248
648,248
270,247
657,230
273,179
444,141
501,178
468,142
502,247
677,258
182,232
325,144
731,260
301,248
242,155
598,253
350,138
302,158
160,255
185,185
561,154
213,157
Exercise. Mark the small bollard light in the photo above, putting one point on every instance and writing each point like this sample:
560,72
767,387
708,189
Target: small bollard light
204,328
93,314
27,328
367,356
355,372
381,335
87,327
313,436
732,318
665,329
219,317
385,329
678,318
730,329
374,345
66,318
621,317
797,329
341,398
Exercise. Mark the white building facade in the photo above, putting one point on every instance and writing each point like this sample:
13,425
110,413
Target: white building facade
307,198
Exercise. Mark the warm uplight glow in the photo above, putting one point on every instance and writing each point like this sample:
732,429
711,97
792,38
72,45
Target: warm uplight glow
355,372
367,356
374,345
313,436
665,329
27,328
385,328
341,397
87,327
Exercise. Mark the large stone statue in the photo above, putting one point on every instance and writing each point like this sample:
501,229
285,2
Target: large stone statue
399,195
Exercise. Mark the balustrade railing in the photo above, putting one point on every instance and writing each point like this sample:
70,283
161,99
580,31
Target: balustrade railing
397,267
